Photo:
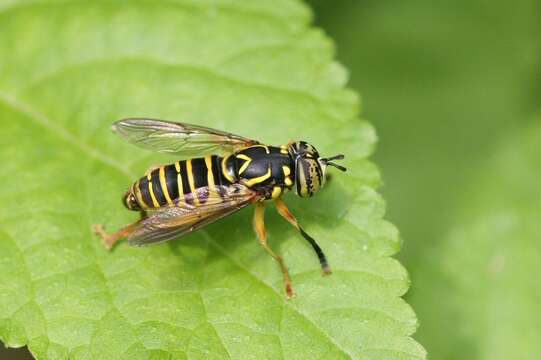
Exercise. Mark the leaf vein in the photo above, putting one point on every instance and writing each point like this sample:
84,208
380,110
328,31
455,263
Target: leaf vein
62,133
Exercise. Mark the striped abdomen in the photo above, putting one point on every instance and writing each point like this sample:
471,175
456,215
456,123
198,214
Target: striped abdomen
179,182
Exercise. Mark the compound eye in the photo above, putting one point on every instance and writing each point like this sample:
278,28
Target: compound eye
309,177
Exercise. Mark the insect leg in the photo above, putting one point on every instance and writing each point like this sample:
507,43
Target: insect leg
282,209
109,240
259,226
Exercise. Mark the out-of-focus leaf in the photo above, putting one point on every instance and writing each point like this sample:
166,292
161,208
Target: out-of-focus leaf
443,83
491,258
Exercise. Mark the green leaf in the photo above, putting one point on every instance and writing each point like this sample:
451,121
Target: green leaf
67,70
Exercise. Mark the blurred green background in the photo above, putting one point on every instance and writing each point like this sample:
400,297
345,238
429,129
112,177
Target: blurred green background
453,87
454,90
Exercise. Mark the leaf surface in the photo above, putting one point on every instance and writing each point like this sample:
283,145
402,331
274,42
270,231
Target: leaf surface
68,70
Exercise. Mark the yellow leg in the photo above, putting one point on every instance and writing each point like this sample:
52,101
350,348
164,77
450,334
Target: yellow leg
109,240
282,209
259,225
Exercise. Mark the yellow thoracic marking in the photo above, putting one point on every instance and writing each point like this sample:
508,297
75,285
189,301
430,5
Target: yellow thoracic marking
163,183
259,179
276,191
286,170
247,161
288,181
210,176
177,166
138,195
191,181
283,149
152,196
224,170
267,150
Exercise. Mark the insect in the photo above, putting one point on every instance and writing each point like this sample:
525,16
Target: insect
231,173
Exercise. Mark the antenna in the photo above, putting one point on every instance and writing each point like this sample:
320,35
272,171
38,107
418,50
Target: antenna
328,161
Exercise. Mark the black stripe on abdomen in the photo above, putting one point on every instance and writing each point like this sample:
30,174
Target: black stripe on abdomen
184,176
217,170
157,187
145,194
199,172
171,180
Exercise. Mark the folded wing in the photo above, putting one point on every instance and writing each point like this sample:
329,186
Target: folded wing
182,218
178,138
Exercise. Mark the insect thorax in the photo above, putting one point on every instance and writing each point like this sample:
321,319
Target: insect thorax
264,168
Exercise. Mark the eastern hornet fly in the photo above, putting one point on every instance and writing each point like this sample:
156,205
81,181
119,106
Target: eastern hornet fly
235,172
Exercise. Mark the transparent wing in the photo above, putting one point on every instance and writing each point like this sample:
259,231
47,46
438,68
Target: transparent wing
178,138
180,219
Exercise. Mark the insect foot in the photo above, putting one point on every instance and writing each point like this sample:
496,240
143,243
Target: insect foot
290,293
326,270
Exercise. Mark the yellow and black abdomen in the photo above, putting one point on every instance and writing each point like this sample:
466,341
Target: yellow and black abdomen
188,181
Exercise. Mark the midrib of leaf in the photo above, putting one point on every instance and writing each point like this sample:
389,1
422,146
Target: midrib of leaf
95,154
63,134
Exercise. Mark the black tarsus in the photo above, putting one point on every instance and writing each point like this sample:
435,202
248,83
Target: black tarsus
321,256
